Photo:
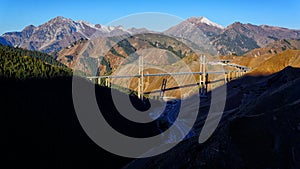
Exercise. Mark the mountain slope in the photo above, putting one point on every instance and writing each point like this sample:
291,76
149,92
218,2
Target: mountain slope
278,62
16,63
112,51
240,38
255,57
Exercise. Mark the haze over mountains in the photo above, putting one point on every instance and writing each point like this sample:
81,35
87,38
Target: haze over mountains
207,36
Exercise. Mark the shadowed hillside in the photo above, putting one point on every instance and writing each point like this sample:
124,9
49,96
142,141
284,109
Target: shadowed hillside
259,129
42,130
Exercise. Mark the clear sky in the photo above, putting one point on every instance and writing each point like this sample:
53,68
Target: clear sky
15,15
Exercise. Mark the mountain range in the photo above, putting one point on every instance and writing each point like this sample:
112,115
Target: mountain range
198,32
58,33
260,124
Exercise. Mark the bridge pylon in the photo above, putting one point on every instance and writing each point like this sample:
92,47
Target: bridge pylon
141,78
203,77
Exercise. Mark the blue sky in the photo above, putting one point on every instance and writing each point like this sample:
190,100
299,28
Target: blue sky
15,15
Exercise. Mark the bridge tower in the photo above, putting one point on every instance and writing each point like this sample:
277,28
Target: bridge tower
203,77
141,78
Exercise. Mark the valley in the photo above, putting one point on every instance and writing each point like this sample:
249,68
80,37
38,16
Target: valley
238,85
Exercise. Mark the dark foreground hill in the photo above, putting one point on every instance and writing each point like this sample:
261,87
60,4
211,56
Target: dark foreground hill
41,129
260,127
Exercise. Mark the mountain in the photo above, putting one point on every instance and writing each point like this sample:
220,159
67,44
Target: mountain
194,25
240,38
196,32
58,33
236,39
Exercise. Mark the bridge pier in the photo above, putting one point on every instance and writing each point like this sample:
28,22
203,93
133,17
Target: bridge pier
141,78
227,77
163,88
99,81
235,75
107,82
206,83
203,78
203,85
240,72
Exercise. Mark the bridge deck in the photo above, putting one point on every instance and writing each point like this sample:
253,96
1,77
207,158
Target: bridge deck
162,74
204,82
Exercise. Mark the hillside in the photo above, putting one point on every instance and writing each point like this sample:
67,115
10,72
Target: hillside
18,63
117,56
278,62
255,57
259,129
109,53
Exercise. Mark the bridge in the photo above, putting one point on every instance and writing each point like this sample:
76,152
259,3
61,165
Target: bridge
203,76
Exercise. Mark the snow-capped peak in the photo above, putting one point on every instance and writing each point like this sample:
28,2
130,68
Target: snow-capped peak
208,22
205,21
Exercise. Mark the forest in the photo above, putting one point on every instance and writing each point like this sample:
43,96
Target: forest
18,63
